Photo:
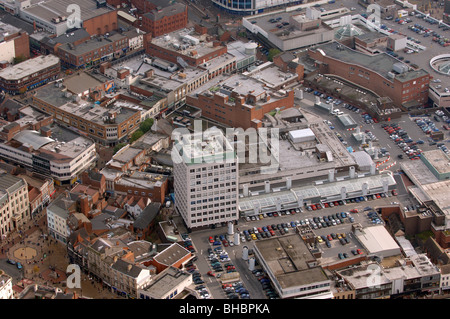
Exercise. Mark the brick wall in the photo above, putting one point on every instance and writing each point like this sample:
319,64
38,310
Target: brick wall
101,24
237,115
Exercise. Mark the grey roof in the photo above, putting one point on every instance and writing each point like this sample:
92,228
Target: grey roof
114,211
362,158
33,138
47,10
147,216
347,120
123,267
69,37
10,183
381,63
171,255
18,23
61,205
174,9
91,44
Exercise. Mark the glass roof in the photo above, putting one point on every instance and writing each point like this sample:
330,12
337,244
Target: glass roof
348,30
445,67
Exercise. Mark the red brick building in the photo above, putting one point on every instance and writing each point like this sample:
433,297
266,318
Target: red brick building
101,24
244,104
93,51
379,73
15,43
194,54
160,21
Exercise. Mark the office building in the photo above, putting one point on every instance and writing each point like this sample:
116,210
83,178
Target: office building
205,180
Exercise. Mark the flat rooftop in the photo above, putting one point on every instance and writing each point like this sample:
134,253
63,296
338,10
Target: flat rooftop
169,11
7,30
381,63
81,82
359,277
439,160
287,259
271,75
193,149
164,282
84,109
438,192
46,10
287,31
177,38
28,67
91,44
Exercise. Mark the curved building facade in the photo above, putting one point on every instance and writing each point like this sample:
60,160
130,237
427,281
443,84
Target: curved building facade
250,7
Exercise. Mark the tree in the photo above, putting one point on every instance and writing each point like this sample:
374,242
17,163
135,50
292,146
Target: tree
146,125
136,135
118,147
19,59
272,52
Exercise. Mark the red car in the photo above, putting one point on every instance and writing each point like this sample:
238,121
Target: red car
210,273
326,205
394,192
211,240
359,251
329,237
313,207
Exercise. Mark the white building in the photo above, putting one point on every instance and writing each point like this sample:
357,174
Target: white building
377,241
61,154
57,213
6,291
166,285
205,179
303,135
14,203
445,278
128,278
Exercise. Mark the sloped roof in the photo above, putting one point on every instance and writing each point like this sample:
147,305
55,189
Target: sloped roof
33,138
147,216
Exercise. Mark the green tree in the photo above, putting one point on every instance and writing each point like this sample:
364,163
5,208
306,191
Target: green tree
118,147
19,59
272,52
146,125
136,135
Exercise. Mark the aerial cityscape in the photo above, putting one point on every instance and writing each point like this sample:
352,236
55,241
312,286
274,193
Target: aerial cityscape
224,150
